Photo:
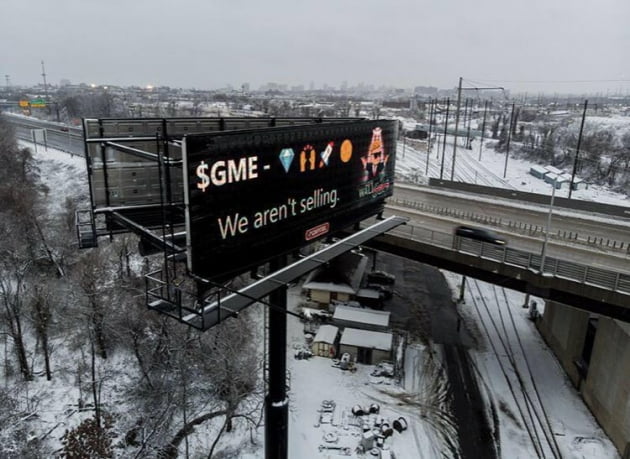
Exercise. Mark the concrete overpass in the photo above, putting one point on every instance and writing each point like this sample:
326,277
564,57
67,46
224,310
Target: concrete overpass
592,289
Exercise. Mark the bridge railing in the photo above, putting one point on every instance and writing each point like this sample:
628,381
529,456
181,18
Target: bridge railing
555,267
514,226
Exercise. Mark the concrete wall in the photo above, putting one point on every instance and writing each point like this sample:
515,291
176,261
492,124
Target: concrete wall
564,330
379,356
607,386
606,389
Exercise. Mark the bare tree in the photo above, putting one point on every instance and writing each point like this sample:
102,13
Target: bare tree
41,314
13,272
90,275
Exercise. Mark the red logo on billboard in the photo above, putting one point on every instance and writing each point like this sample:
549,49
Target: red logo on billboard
316,231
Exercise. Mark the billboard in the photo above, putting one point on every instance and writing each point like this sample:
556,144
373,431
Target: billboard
252,195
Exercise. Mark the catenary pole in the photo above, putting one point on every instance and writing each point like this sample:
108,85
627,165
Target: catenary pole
429,144
448,103
459,97
577,149
483,127
507,151
543,255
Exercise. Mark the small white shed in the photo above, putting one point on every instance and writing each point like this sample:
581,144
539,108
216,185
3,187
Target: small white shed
366,346
325,341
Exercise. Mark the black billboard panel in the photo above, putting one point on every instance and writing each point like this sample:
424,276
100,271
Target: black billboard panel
252,195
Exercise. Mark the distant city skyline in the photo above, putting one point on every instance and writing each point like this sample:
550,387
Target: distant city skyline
565,46
427,90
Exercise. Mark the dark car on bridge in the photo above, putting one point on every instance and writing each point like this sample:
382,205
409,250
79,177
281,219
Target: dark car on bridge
480,234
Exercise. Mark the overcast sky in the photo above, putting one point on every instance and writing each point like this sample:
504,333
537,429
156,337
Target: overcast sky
580,46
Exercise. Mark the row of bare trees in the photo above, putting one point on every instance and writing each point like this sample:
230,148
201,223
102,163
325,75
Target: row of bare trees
604,156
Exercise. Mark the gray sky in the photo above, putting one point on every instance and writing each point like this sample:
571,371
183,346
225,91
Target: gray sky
528,45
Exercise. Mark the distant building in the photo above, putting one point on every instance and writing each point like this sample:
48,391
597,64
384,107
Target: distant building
554,170
578,183
538,172
429,91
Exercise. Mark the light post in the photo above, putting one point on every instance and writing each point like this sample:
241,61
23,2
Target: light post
547,227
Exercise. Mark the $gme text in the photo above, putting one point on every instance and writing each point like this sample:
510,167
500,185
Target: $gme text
227,171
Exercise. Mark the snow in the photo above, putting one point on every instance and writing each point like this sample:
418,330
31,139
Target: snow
369,293
573,426
540,169
554,170
330,287
364,315
326,334
65,175
315,380
366,338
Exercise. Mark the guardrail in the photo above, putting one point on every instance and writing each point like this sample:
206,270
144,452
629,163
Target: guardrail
553,267
515,226
576,204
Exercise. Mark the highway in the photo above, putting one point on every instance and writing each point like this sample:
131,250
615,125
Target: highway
58,135
439,230
574,236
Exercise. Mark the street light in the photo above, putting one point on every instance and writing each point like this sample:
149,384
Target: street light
547,227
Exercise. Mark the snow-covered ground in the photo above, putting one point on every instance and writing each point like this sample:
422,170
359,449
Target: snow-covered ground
419,397
411,160
562,424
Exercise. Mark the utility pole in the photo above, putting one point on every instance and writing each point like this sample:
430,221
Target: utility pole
45,84
459,96
429,145
547,228
469,119
507,151
448,104
483,127
577,149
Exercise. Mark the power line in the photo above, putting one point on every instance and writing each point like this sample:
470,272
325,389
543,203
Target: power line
552,81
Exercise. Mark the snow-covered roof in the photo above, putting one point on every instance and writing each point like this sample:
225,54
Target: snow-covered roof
362,315
326,334
367,338
539,169
567,177
369,293
343,275
554,170
329,287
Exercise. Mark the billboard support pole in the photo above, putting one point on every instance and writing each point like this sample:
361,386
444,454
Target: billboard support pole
277,401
